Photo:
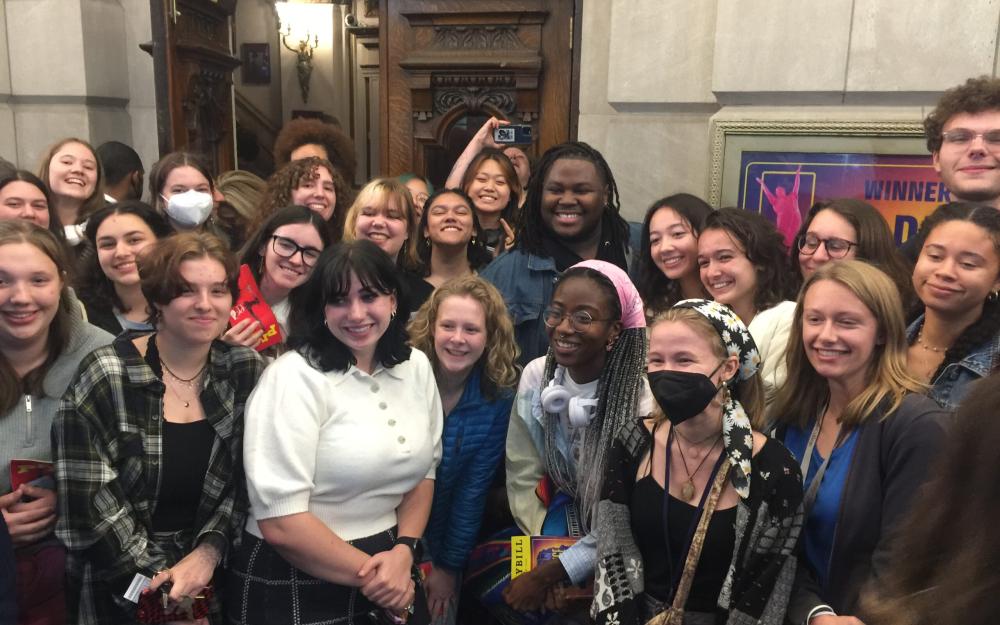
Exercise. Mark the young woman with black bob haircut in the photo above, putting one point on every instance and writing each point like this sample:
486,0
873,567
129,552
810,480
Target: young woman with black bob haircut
845,229
956,339
943,563
341,485
699,464
741,257
860,427
280,255
667,269
110,287
148,442
451,244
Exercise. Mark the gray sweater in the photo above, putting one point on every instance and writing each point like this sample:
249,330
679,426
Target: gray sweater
24,434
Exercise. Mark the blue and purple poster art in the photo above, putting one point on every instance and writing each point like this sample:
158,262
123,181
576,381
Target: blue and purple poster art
783,185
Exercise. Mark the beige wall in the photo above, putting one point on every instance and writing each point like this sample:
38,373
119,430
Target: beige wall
257,22
53,86
655,73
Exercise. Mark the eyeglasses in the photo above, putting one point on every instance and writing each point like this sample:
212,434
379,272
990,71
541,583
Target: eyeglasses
579,320
960,137
286,248
835,248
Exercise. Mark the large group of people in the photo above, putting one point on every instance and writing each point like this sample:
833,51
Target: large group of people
253,401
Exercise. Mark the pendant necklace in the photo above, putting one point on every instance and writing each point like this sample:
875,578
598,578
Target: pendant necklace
687,489
188,382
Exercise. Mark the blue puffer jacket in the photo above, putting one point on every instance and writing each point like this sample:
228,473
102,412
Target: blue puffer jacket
473,441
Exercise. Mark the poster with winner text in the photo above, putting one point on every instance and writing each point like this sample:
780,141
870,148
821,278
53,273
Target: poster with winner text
783,185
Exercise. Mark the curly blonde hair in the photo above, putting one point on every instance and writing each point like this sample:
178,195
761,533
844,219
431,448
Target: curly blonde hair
499,359
280,185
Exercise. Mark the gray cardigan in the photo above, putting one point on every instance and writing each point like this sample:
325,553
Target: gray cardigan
25,435
889,466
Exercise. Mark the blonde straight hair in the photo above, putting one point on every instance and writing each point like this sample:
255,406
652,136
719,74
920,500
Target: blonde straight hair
806,392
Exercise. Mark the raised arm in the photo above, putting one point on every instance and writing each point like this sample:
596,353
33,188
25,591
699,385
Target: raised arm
482,139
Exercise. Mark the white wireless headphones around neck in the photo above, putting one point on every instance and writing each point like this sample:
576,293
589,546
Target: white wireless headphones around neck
557,399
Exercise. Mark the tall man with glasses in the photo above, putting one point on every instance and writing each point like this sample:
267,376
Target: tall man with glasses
963,136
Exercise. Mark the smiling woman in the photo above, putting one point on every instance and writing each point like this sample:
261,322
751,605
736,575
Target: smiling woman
164,408
42,341
957,279
280,255
860,427
340,489
74,176
311,182
452,238
109,282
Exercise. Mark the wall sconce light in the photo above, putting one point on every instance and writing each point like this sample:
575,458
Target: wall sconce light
303,49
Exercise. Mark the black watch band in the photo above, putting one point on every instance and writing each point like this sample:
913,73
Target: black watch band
412,543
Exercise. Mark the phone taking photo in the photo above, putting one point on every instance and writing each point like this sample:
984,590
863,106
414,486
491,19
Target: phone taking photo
514,134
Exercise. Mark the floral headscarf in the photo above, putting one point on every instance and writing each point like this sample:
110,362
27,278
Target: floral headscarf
736,432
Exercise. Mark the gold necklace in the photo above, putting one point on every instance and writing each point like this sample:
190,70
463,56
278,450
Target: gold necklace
921,343
190,383
687,489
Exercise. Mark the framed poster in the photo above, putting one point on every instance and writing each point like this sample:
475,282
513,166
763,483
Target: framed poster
256,68
779,169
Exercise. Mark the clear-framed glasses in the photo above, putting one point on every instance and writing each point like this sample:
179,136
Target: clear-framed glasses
961,137
835,247
287,248
579,320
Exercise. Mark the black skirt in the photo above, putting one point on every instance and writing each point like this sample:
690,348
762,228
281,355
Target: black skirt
264,589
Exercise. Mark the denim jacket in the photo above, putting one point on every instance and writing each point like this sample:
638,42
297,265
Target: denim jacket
949,388
527,283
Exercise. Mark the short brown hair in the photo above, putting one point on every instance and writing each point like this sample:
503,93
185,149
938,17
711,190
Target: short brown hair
975,96
160,266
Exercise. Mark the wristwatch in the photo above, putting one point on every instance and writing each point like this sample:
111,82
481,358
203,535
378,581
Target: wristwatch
413,544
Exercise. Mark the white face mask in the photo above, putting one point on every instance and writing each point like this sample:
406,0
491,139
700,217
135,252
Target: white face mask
189,209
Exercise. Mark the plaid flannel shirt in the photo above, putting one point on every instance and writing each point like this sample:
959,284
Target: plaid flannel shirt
108,443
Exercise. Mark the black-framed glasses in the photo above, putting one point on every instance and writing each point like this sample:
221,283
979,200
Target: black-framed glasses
287,248
835,247
579,320
963,137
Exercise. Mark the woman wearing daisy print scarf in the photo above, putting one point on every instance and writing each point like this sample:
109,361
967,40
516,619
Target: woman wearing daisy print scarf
700,514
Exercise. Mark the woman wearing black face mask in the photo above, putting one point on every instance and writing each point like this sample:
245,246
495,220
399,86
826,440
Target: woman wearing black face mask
700,514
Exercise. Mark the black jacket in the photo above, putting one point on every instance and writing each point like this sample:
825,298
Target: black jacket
889,466
8,598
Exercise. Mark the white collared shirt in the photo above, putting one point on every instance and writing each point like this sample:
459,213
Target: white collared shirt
345,446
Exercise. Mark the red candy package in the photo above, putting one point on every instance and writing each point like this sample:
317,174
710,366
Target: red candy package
251,305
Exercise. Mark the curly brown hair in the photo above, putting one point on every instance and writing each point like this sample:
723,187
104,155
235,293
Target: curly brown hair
975,96
499,359
298,132
281,184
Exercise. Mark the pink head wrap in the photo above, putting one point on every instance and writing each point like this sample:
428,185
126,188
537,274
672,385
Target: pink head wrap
633,313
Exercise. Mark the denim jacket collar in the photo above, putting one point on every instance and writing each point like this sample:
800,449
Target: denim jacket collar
979,361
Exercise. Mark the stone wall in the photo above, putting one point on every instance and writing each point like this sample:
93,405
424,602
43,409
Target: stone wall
73,68
656,73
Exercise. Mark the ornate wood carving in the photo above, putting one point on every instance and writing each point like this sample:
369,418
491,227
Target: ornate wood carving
193,68
446,60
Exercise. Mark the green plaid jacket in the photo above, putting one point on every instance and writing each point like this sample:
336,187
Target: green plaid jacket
107,444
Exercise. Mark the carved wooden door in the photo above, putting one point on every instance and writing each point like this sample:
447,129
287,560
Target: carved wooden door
193,71
448,65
